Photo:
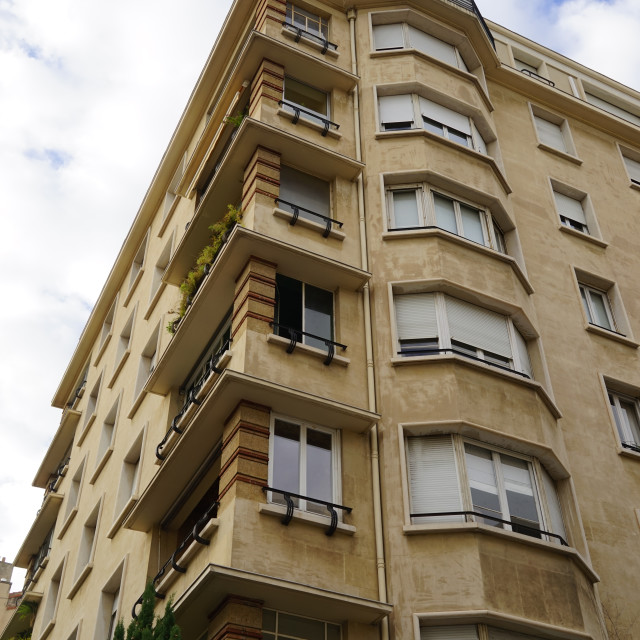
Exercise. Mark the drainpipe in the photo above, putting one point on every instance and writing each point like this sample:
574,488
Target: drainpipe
368,334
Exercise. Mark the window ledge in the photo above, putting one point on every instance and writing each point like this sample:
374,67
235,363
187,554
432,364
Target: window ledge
121,516
398,361
103,348
133,287
313,519
100,465
629,453
558,152
136,404
80,580
399,234
480,528
67,522
612,335
403,133
309,224
85,429
118,368
305,348
308,41
48,629
583,236
331,133
154,300
634,185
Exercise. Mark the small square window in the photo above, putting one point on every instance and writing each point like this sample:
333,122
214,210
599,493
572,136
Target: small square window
597,307
307,21
553,132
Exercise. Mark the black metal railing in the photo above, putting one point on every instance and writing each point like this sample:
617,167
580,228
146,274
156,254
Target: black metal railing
426,351
469,516
470,5
326,45
537,76
297,110
632,446
77,394
295,336
211,366
193,536
329,222
331,507
57,474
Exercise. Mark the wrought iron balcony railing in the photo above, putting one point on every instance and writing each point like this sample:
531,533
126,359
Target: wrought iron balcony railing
329,222
470,5
533,74
297,110
326,45
59,473
470,516
331,507
211,366
295,336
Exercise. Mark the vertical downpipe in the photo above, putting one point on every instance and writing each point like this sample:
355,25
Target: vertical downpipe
371,388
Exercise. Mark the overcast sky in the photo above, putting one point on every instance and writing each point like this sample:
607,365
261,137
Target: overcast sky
90,92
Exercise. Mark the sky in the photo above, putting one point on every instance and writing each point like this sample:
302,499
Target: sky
90,93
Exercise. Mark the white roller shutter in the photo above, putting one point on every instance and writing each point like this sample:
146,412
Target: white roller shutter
633,167
305,191
550,134
478,327
445,116
432,46
433,478
553,505
523,354
569,207
388,36
416,316
396,108
450,632
503,634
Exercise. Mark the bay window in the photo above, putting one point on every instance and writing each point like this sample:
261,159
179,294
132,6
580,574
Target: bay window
410,111
452,479
431,323
415,206
405,36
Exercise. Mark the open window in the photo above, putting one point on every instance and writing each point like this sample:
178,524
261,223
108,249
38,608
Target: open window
626,414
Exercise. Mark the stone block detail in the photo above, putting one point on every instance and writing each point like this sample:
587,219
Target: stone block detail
267,87
261,180
270,11
254,302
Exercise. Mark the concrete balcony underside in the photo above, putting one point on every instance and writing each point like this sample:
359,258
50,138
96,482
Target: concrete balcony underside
45,519
205,430
215,583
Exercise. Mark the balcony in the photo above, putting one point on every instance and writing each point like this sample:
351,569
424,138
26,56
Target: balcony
44,522
470,5
62,441
200,436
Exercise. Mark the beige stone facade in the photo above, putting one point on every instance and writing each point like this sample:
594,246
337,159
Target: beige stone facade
404,400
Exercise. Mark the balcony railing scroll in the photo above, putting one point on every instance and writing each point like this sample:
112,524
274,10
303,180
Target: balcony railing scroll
297,110
326,45
192,397
329,222
296,335
172,562
331,507
470,516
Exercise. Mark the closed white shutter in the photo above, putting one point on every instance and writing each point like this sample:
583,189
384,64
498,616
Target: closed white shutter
433,478
416,316
550,134
445,116
432,46
553,506
633,167
478,141
523,354
450,632
478,327
503,634
388,36
396,108
305,191
569,207
612,108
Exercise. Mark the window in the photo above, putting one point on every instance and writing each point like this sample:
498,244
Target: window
314,103
160,268
633,167
416,206
471,632
148,359
571,212
521,65
107,325
107,435
51,603
171,196
307,21
92,402
86,549
626,413
138,264
612,108
277,625
409,111
303,312
311,194
109,605
597,307
128,485
125,339
553,131
429,323
405,36
303,460
502,489
73,495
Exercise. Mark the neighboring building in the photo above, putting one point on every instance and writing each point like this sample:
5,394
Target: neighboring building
404,400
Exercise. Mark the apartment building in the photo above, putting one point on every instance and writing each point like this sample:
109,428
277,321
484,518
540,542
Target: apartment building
401,398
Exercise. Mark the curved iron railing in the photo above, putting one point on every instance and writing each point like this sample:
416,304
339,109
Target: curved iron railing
296,335
331,507
193,536
211,366
296,214
297,110
533,74
326,45
517,527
